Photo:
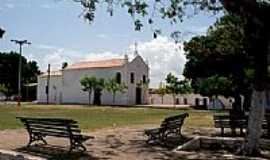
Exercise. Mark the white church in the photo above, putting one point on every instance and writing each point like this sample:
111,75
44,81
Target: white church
65,87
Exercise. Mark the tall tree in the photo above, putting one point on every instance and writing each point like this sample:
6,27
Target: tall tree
215,85
113,87
256,30
88,84
9,71
222,52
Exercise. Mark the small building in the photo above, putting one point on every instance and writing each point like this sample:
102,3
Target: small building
191,100
65,87
180,99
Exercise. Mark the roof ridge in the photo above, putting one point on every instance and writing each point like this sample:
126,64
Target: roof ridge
107,63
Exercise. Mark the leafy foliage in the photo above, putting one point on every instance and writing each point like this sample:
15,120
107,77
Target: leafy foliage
113,87
91,84
172,10
9,71
88,84
175,86
215,85
4,89
222,52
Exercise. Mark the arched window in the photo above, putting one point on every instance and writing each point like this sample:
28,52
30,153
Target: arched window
118,77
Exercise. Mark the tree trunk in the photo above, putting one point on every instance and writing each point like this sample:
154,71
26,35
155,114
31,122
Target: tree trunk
162,99
113,98
256,115
247,101
89,98
237,106
174,100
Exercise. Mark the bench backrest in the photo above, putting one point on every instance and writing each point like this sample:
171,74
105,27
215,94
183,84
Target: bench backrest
230,121
51,126
174,122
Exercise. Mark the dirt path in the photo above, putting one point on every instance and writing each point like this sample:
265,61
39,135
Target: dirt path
125,143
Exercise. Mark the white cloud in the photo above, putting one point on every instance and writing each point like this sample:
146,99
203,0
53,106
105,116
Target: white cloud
102,55
162,54
54,55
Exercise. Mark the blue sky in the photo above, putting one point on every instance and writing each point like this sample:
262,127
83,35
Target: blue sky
58,34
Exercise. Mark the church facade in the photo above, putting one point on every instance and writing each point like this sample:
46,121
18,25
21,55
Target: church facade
65,87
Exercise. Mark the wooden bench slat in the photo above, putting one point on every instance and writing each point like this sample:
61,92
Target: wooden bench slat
49,122
53,129
54,126
47,119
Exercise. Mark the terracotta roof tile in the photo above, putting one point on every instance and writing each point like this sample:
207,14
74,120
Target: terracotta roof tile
97,64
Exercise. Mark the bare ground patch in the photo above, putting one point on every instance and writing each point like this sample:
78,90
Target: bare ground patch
125,143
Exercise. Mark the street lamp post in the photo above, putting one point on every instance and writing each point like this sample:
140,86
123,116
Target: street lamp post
20,43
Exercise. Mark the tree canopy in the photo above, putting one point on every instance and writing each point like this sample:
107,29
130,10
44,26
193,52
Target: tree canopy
88,84
176,86
114,87
221,53
9,71
256,31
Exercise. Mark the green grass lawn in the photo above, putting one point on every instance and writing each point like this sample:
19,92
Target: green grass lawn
91,118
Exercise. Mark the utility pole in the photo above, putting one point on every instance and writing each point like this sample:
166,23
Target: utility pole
48,83
20,43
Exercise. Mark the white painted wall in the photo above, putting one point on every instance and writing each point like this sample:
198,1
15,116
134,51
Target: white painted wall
168,99
69,90
72,88
55,95
191,98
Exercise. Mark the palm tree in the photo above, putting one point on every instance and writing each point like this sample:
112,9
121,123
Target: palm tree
113,87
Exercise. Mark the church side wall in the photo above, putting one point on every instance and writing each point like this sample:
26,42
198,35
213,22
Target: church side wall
72,89
55,90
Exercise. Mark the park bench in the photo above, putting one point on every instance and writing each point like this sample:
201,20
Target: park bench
240,122
232,122
170,126
39,128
